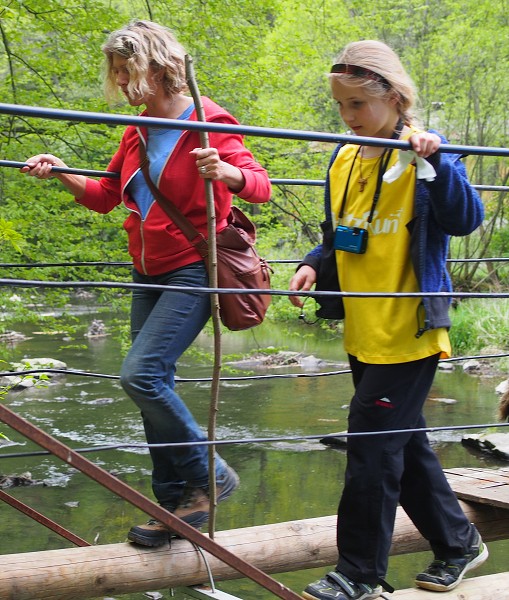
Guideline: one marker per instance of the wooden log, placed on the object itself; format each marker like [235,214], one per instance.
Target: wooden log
[94,571]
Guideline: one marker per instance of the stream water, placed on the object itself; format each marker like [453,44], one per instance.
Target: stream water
[280,481]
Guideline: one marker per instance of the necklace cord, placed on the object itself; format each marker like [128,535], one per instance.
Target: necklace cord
[364,180]
[385,158]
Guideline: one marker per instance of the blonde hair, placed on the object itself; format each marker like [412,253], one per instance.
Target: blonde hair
[383,61]
[145,45]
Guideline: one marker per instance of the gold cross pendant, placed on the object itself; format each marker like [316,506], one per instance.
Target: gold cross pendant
[362,183]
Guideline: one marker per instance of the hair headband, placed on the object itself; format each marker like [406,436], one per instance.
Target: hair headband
[361,72]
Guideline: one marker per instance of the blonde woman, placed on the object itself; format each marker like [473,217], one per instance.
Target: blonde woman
[145,63]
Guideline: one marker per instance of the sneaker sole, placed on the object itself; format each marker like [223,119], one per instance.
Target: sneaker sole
[309,596]
[437,587]
[377,592]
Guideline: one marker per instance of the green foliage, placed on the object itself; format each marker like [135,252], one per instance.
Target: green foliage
[10,235]
[480,327]
[500,242]
[4,390]
[266,61]
[462,333]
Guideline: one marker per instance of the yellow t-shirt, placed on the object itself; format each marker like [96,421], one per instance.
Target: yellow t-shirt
[380,330]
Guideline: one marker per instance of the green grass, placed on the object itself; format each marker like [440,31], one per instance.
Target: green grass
[481,326]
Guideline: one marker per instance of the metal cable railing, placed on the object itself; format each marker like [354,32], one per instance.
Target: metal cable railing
[266,440]
[230,378]
[266,132]
[74,456]
[287,261]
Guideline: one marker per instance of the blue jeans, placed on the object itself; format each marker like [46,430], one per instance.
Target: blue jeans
[163,325]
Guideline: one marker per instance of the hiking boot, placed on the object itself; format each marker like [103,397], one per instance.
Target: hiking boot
[336,586]
[444,574]
[153,534]
[194,506]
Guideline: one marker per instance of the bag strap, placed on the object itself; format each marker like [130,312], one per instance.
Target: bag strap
[196,238]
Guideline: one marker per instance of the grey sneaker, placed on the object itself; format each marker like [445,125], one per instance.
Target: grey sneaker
[444,574]
[336,586]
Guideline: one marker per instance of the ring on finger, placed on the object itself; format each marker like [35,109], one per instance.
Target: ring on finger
[203,169]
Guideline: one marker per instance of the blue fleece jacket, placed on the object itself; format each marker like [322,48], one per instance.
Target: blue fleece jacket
[447,206]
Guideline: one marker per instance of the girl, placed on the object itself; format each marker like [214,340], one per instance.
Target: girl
[146,64]
[390,237]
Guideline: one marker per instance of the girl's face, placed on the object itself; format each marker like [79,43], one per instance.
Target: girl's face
[365,115]
[122,77]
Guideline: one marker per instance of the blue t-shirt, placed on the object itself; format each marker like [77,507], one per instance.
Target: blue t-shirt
[160,144]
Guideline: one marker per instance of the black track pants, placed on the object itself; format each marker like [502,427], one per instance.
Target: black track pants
[383,470]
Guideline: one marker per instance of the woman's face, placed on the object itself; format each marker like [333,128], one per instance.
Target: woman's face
[122,77]
[365,115]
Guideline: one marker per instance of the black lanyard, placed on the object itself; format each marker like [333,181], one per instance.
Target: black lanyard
[385,158]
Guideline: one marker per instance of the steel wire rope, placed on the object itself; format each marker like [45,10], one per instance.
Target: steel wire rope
[276,261]
[321,183]
[275,180]
[28,283]
[81,373]
[207,567]
[267,440]
[267,132]
[264,132]
[351,294]
[178,379]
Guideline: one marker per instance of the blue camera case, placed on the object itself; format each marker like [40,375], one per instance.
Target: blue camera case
[350,239]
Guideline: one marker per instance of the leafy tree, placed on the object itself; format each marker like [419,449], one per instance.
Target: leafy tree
[266,61]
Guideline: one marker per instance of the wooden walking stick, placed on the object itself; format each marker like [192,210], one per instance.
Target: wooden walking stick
[214,298]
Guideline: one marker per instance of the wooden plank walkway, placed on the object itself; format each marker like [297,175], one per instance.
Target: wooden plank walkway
[486,486]
[487,587]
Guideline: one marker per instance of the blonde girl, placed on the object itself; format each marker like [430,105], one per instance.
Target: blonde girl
[388,219]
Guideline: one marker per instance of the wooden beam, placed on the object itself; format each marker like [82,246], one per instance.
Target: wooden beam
[90,572]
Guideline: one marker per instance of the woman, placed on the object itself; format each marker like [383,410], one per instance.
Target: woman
[146,63]
[390,236]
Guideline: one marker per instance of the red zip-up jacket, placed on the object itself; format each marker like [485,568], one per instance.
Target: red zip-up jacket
[156,244]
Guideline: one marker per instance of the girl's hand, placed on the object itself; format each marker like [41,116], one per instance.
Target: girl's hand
[304,280]
[424,143]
